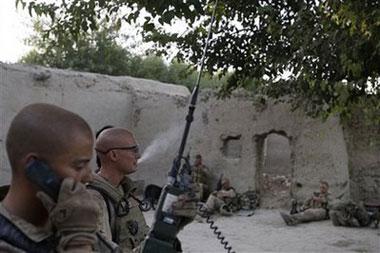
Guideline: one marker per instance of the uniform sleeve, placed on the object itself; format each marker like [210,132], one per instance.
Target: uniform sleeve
[329,198]
[326,199]
[103,221]
[307,204]
[5,247]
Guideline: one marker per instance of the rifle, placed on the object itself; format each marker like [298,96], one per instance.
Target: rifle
[219,183]
[163,233]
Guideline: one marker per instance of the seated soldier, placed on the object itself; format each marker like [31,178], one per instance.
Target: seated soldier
[314,209]
[31,220]
[351,214]
[220,200]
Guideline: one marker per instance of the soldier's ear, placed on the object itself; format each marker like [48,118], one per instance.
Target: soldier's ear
[113,155]
[28,158]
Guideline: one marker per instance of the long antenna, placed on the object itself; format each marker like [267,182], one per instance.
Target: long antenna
[194,97]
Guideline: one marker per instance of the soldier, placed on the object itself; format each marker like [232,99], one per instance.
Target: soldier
[314,209]
[351,214]
[121,218]
[30,220]
[220,200]
[201,175]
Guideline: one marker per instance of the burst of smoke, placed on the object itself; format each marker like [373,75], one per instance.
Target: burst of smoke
[161,143]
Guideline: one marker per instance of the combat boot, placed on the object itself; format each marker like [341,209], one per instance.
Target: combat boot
[294,204]
[375,218]
[289,220]
[225,210]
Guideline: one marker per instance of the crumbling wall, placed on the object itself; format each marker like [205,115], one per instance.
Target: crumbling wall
[229,133]
[99,99]
[363,144]
[318,151]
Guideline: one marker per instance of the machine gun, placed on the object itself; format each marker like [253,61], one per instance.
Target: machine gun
[163,234]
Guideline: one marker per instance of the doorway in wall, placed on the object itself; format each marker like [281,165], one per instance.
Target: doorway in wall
[274,169]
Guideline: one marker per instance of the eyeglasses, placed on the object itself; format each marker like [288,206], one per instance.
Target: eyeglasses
[134,149]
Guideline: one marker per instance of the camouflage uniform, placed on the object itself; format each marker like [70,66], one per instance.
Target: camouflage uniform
[248,200]
[349,213]
[41,238]
[200,177]
[121,219]
[311,211]
[215,203]
[20,236]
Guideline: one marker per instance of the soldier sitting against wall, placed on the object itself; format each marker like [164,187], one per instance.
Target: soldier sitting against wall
[314,209]
[219,201]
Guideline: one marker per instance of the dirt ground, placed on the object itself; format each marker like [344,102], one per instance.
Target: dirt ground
[265,231]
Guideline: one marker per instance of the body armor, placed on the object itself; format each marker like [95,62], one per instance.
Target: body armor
[127,223]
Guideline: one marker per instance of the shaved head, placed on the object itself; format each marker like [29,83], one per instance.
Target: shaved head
[118,153]
[113,137]
[44,129]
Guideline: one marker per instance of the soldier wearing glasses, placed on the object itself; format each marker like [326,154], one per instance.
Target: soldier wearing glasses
[121,218]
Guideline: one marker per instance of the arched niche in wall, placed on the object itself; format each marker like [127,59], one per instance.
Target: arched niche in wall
[274,169]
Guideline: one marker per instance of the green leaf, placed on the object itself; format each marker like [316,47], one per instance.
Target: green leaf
[148,26]
[167,17]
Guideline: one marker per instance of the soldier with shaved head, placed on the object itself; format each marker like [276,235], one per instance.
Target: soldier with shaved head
[30,219]
[121,219]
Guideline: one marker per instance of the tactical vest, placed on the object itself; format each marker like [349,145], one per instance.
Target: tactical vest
[14,236]
[127,223]
[199,174]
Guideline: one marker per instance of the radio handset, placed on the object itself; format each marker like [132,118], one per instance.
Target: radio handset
[44,177]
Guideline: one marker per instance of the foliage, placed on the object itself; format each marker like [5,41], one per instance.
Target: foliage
[321,55]
[94,52]
[98,52]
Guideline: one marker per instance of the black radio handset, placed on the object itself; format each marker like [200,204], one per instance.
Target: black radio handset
[44,177]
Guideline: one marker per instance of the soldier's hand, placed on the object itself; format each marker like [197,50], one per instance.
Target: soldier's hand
[186,208]
[74,215]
